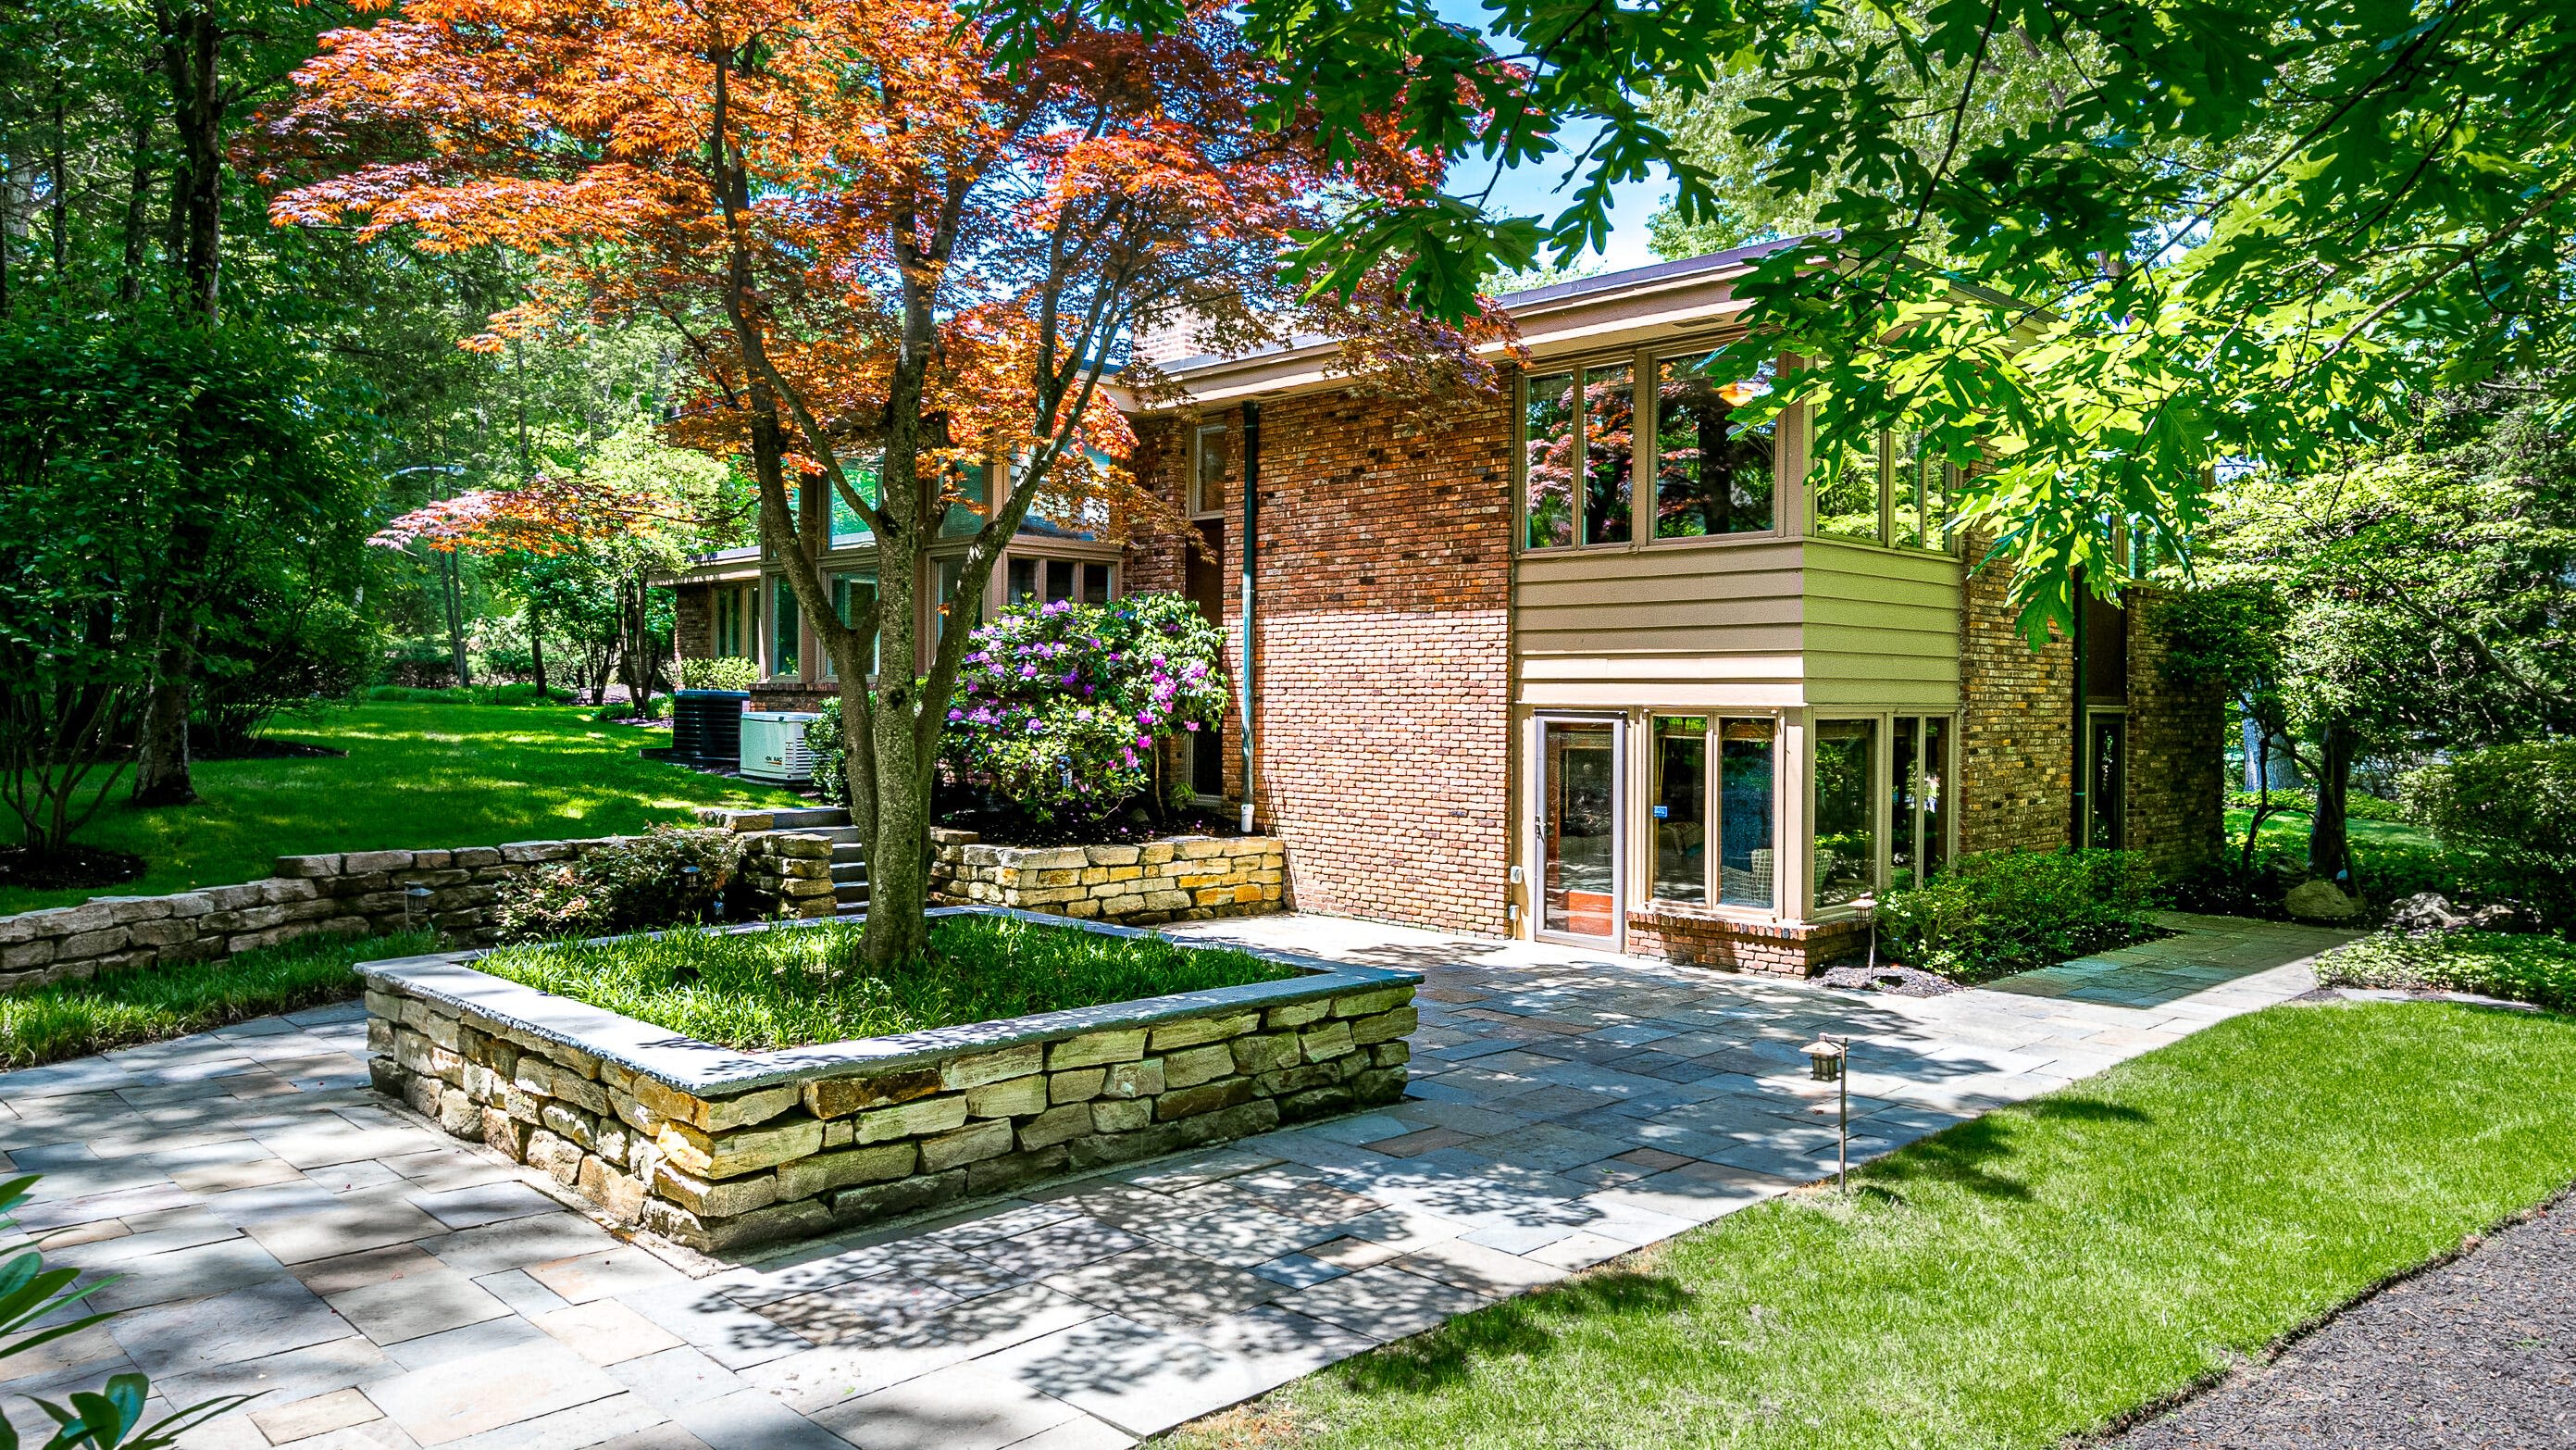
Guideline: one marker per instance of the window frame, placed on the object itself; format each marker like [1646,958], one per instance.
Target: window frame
[1951,477]
[1713,801]
[1196,503]
[1645,394]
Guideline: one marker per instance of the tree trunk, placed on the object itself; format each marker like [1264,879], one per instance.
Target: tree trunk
[191,47]
[452,590]
[537,647]
[138,212]
[2329,847]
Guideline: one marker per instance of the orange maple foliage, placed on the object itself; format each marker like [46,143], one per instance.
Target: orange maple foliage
[890,255]
[544,516]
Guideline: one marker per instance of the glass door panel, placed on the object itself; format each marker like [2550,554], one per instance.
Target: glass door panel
[2108,789]
[1579,828]
[1904,799]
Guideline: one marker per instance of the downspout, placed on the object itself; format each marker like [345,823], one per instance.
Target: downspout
[1251,523]
[2075,813]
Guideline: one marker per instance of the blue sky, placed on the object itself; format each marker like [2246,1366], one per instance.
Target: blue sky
[1534,190]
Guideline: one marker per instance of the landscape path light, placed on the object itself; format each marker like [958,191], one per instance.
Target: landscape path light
[1827,1057]
[415,901]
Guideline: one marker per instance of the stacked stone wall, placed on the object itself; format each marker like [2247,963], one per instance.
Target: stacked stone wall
[1185,878]
[840,1148]
[350,894]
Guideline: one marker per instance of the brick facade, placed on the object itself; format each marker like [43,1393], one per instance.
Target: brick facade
[1383,734]
[693,622]
[2017,743]
[1694,938]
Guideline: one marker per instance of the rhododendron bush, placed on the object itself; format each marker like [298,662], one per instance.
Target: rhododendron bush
[1061,708]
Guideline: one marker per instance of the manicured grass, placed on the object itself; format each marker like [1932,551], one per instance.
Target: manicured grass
[75,1019]
[2022,1278]
[2288,830]
[797,985]
[2517,966]
[417,776]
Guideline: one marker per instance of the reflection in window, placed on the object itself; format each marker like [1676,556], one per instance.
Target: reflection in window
[1711,476]
[970,501]
[970,609]
[1935,794]
[1548,420]
[1045,581]
[1747,756]
[1845,479]
[1903,800]
[783,656]
[1681,809]
[853,594]
[1609,453]
[846,525]
[1845,815]
[2108,788]
[1918,494]
[1207,476]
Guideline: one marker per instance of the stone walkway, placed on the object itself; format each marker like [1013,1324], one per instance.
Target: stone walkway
[383,1287]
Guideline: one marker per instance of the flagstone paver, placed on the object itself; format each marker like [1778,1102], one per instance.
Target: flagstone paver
[283,1230]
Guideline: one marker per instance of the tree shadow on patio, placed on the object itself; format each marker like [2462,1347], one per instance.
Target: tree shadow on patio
[1520,1327]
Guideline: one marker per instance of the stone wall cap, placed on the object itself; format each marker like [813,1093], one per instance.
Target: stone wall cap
[706,1069]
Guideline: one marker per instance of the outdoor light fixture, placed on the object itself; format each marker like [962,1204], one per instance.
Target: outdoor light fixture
[1826,1058]
[415,901]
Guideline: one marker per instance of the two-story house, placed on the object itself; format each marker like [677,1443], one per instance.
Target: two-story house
[1592,662]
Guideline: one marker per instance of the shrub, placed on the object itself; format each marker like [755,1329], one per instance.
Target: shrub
[471,695]
[2520,967]
[1061,708]
[2519,798]
[638,884]
[2008,911]
[731,672]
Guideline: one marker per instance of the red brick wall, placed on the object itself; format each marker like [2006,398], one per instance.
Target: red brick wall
[1383,726]
[693,621]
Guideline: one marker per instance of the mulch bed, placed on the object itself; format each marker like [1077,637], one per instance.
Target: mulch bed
[69,867]
[1887,977]
[2477,1352]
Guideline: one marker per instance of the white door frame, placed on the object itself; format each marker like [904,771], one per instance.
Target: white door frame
[1535,743]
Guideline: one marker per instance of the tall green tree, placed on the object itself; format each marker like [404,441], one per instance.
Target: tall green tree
[2418,601]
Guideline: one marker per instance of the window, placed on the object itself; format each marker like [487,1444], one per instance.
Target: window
[1712,476]
[1932,796]
[2107,781]
[1208,470]
[732,622]
[1845,484]
[971,503]
[1548,418]
[1609,453]
[971,610]
[1895,491]
[785,657]
[847,528]
[853,593]
[1030,580]
[1844,819]
[1681,809]
[1747,757]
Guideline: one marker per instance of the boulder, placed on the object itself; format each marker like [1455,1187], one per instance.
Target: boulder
[2320,901]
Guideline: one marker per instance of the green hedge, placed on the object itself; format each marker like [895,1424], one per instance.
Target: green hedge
[2356,805]
[470,695]
[2001,912]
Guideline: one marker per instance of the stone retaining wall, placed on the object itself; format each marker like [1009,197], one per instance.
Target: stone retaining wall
[357,893]
[1182,878]
[718,1149]
[1698,937]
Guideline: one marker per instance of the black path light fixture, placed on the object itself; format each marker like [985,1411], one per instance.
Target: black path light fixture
[1827,1058]
[415,901]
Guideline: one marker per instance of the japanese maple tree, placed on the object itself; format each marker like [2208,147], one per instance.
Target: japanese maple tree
[899,265]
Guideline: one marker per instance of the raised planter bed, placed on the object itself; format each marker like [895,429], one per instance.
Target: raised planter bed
[1177,878]
[715,1147]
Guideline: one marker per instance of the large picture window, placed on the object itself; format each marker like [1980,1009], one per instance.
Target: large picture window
[1844,817]
[853,593]
[1714,803]
[1589,434]
[1748,758]
[1712,474]
[1681,808]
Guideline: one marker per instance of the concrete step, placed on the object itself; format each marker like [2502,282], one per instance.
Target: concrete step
[845,851]
[849,871]
[837,835]
[808,818]
[851,897]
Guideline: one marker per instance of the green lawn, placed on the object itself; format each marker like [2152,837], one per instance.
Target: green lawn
[789,988]
[417,776]
[2026,1277]
[2289,831]
[77,1018]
